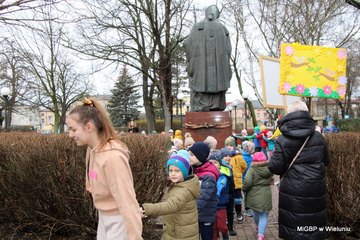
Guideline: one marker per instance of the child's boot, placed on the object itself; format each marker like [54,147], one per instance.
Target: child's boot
[261,237]
[232,232]
[240,217]
[225,236]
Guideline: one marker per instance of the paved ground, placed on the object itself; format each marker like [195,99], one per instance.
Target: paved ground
[247,231]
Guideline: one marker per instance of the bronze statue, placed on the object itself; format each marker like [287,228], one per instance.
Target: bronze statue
[208,51]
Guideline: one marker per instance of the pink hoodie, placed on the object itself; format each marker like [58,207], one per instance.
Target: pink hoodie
[110,181]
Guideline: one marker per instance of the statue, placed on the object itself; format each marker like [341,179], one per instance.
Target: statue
[208,51]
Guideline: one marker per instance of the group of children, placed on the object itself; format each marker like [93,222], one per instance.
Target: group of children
[207,209]
[263,139]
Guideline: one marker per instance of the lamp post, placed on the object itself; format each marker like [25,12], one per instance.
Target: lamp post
[245,96]
[5,92]
[235,104]
[353,107]
[180,97]
[187,104]
[230,108]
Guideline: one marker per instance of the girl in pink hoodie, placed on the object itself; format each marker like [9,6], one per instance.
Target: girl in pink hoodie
[108,175]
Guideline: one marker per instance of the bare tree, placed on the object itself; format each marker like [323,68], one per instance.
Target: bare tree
[55,85]
[353,75]
[144,35]
[261,26]
[13,73]
[10,10]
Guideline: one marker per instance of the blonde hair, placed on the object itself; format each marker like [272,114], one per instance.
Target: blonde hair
[132,124]
[92,110]
[297,105]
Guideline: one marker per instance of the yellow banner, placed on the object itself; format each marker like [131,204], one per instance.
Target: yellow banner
[312,71]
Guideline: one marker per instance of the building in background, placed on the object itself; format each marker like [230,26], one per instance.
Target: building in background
[24,118]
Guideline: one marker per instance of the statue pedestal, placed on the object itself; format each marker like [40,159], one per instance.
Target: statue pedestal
[203,124]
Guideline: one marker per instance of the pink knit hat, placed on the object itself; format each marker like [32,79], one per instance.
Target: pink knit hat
[259,157]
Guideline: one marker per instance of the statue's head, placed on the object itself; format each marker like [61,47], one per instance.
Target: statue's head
[212,13]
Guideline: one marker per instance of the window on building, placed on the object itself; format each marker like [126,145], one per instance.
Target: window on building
[50,118]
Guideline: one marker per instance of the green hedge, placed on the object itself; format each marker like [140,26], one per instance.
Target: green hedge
[349,125]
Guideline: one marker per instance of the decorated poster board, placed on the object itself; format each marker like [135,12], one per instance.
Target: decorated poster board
[312,71]
[270,78]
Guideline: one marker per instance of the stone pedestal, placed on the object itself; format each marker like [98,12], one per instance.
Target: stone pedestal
[203,124]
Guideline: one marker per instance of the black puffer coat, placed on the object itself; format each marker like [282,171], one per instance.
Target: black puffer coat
[302,195]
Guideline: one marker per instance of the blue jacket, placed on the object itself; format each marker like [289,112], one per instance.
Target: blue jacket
[256,141]
[248,159]
[222,191]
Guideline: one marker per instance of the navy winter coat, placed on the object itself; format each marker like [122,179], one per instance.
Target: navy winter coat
[302,194]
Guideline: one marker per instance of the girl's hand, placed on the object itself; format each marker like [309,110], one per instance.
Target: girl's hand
[142,211]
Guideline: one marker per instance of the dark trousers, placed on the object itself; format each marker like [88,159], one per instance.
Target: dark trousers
[230,213]
[206,230]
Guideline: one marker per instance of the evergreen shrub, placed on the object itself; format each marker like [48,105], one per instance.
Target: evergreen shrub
[349,125]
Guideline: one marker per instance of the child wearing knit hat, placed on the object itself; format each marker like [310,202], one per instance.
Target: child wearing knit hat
[225,160]
[180,206]
[257,187]
[178,134]
[189,141]
[256,140]
[222,195]
[211,142]
[238,165]
[178,145]
[208,175]
[271,143]
[248,149]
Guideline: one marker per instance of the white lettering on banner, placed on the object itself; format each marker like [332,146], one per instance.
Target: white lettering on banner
[323,228]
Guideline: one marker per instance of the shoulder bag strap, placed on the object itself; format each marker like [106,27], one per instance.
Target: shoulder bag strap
[296,156]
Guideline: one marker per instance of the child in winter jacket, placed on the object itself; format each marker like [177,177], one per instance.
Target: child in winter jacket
[263,143]
[248,149]
[179,208]
[208,175]
[258,190]
[238,165]
[222,195]
[271,143]
[227,170]
[256,140]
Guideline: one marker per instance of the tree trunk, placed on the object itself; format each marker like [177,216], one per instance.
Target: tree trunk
[149,109]
[252,112]
[165,75]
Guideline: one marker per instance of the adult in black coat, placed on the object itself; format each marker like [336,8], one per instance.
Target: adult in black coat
[302,193]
